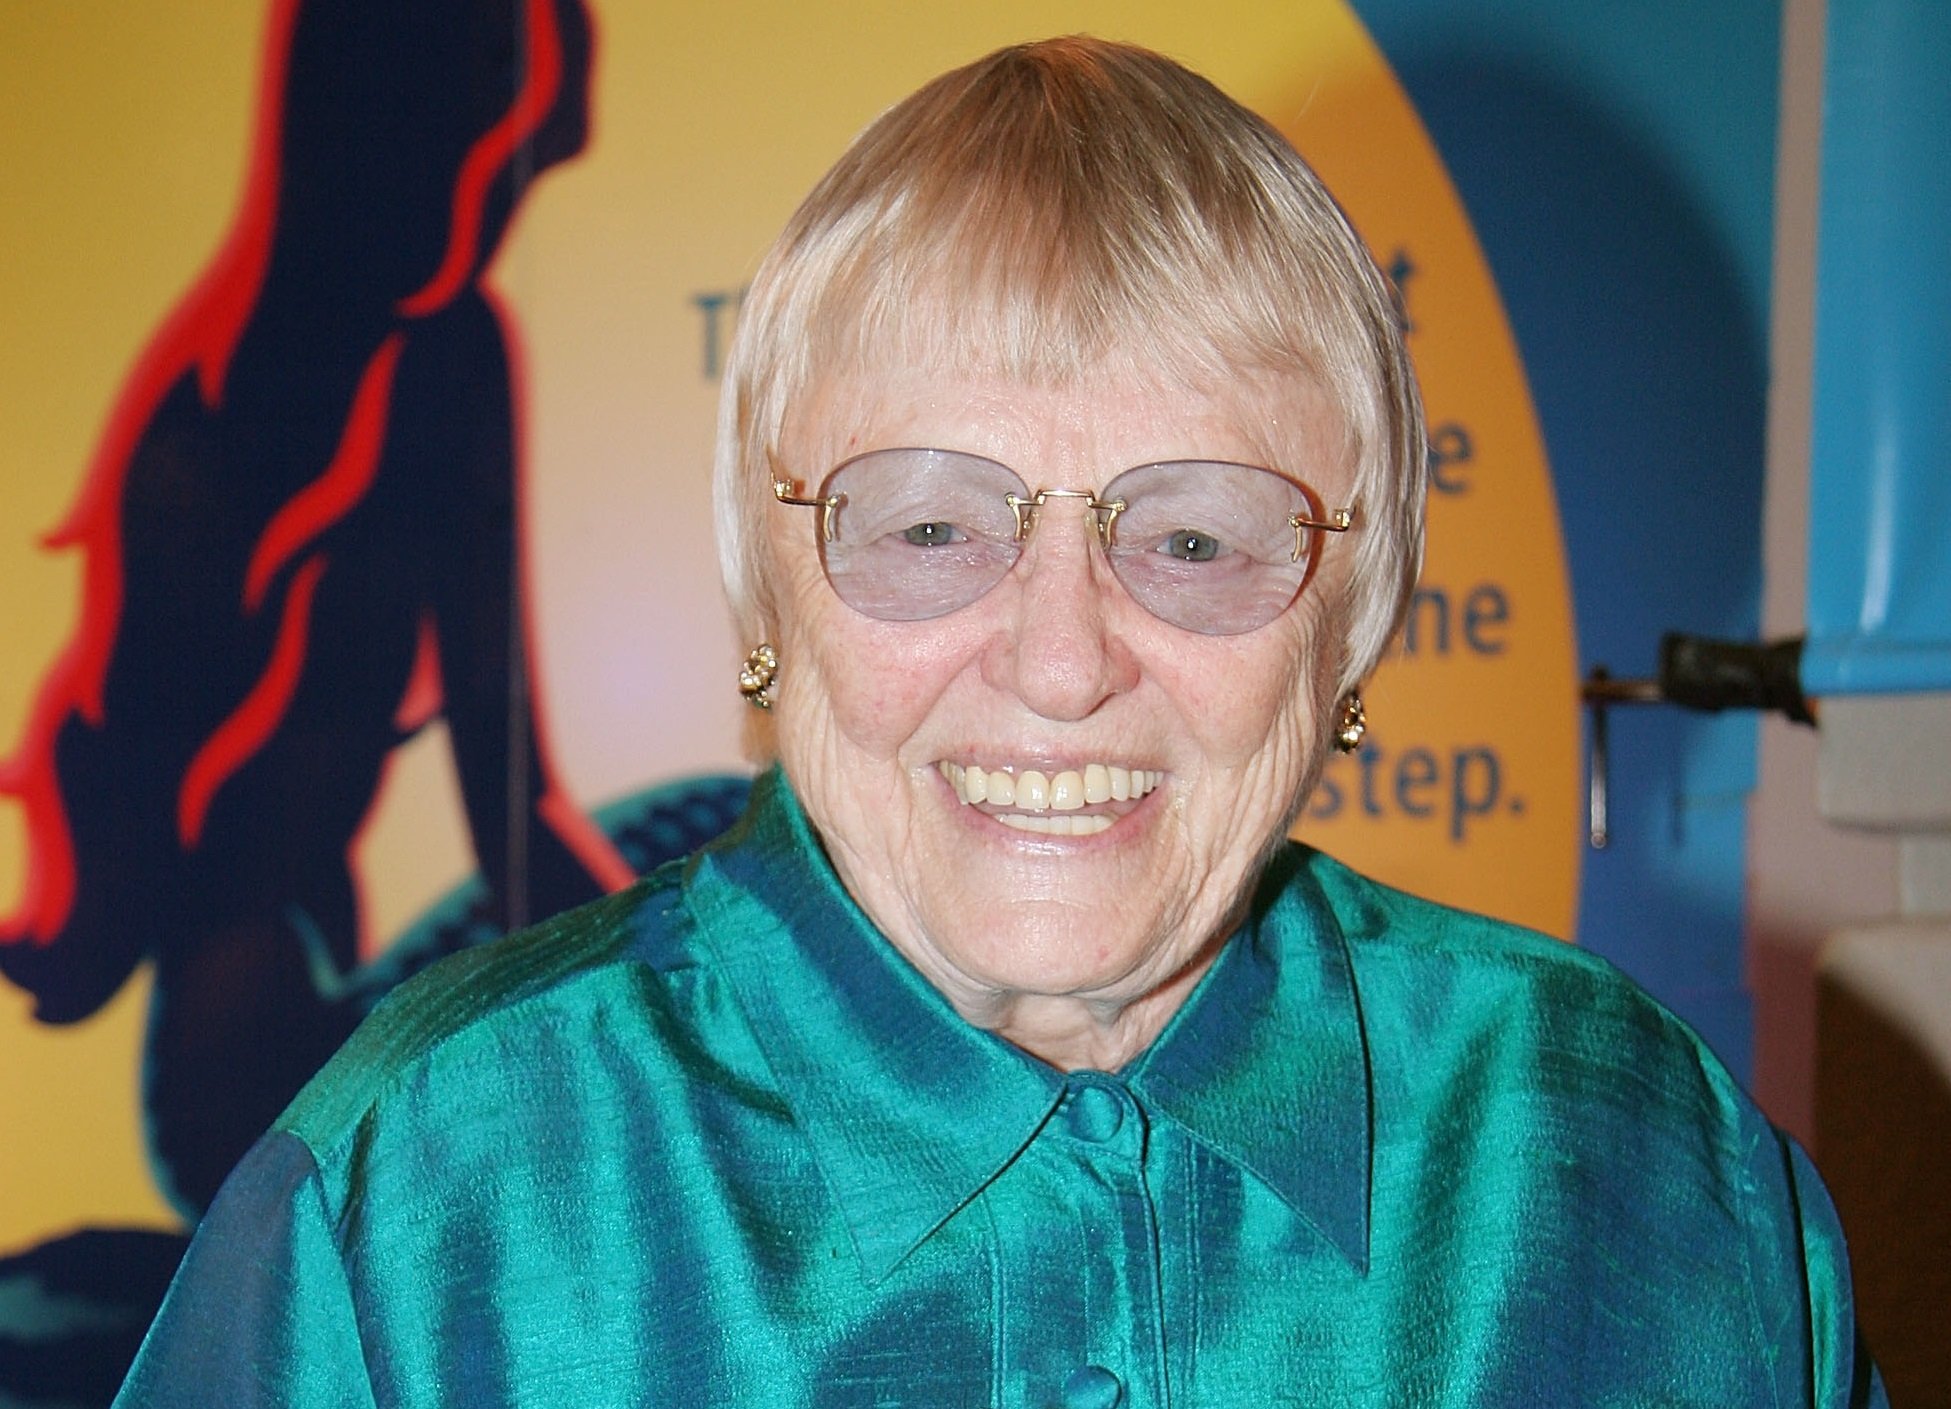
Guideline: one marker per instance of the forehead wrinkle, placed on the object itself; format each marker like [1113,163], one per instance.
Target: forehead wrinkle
[1282,421]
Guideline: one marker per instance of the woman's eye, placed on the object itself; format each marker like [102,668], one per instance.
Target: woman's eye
[1189,545]
[930,535]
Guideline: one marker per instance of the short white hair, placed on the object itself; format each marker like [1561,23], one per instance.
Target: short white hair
[1054,208]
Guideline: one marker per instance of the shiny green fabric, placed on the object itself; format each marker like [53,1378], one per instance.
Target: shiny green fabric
[712,1142]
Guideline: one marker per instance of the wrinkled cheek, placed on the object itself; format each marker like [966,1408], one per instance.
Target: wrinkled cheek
[1261,723]
[882,708]
[871,696]
[1266,769]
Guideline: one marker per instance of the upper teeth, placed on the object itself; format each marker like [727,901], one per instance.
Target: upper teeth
[1033,791]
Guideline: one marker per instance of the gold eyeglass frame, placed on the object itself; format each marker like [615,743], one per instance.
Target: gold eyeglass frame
[1104,513]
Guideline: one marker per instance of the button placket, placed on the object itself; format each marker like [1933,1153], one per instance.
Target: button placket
[1106,1128]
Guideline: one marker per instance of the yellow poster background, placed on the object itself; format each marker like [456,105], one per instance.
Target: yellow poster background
[126,130]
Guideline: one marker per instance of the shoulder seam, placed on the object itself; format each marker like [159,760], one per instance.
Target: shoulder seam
[509,973]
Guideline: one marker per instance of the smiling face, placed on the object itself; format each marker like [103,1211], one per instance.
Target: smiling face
[936,757]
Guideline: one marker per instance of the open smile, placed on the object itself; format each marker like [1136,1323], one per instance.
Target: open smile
[1066,802]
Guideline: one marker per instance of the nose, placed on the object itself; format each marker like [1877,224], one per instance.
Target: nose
[1058,647]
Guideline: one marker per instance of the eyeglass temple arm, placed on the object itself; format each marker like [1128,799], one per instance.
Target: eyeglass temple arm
[1340,521]
[782,490]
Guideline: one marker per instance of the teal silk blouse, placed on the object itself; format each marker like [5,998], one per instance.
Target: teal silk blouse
[711,1141]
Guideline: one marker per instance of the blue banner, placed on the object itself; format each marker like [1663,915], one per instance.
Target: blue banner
[1880,491]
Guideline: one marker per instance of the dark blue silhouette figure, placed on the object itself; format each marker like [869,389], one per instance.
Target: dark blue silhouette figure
[302,543]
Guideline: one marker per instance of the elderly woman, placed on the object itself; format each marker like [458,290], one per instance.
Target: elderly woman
[1071,474]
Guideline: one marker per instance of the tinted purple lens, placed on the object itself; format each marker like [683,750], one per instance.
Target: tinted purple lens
[1207,546]
[919,533]
[1211,546]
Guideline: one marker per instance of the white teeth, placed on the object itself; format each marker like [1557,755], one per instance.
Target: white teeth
[1067,791]
[1034,791]
[1054,825]
[1097,783]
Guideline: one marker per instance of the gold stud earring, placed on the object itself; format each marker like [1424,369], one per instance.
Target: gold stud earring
[755,676]
[1352,724]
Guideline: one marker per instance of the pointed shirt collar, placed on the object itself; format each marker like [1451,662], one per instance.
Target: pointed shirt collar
[911,1111]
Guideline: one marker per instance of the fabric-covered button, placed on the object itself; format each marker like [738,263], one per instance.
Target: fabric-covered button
[1093,1387]
[1094,1113]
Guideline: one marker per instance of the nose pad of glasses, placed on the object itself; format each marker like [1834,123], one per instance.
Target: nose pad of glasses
[1104,518]
[1024,511]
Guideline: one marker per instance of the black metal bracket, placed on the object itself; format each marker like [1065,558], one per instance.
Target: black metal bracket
[1695,673]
